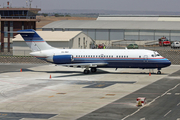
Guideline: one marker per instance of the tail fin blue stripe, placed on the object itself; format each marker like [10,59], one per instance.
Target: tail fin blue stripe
[34,41]
[30,35]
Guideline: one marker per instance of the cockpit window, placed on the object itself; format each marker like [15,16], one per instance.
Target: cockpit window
[156,54]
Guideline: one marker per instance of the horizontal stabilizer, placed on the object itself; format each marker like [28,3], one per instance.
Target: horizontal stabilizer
[24,32]
[18,31]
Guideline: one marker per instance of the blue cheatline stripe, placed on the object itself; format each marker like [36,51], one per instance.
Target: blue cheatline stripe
[128,59]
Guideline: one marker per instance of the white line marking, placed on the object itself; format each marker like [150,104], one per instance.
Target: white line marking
[143,119]
[150,102]
[178,104]
[177,93]
[167,113]
[168,93]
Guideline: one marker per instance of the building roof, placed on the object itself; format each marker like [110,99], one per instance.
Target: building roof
[12,9]
[140,17]
[53,36]
[113,24]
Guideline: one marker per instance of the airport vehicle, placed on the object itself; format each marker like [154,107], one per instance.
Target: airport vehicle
[132,46]
[100,46]
[164,42]
[93,58]
[175,45]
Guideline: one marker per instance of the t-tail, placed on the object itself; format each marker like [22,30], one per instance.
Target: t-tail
[33,40]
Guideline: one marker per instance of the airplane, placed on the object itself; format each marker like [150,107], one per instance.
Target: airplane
[93,58]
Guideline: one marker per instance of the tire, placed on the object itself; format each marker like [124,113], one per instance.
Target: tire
[86,71]
[93,70]
[159,72]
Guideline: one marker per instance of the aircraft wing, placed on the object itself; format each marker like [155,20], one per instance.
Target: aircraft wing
[83,65]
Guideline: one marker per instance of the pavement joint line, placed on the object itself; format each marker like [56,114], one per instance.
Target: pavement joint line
[150,102]
[167,113]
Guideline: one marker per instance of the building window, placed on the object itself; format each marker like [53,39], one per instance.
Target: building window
[6,29]
[22,25]
[11,29]
[84,40]
[79,42]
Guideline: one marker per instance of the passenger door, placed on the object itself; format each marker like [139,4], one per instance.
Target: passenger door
[145,58]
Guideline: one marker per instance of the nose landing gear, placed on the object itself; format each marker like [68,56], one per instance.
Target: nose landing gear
[159,71]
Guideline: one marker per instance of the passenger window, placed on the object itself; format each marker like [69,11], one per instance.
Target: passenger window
[152,55]
[139,56]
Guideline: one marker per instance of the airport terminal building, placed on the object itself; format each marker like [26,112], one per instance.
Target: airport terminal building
[114,28]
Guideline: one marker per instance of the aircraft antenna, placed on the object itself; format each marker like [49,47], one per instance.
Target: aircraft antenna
[26,4]
[30,1]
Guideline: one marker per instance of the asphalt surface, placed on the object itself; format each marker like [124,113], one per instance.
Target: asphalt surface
[162,103]
[15,67]
[31,95]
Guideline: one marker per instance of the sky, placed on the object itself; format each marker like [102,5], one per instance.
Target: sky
[118,5]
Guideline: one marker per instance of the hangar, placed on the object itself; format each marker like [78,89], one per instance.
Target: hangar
[106,29]
[58,39]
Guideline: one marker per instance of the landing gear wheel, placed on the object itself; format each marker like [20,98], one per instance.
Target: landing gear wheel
[159,72]
[93,70]
[86,71]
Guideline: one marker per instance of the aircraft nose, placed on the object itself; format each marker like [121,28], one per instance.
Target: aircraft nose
[168,62]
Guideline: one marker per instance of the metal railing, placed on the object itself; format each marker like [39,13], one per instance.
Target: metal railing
[18,17]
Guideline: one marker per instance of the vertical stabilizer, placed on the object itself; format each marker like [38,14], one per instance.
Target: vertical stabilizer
[33,40]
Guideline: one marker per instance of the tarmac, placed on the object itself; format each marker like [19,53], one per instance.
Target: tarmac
[48,92]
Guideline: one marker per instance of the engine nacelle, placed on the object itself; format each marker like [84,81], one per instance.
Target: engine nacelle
[62,59]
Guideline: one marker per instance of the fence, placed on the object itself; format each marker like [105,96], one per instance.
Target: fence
[7,57]
[19,56]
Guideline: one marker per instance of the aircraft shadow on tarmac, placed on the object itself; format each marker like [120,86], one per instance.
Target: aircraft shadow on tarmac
[99,71]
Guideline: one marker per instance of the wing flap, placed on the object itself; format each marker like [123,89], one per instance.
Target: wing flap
[83,65]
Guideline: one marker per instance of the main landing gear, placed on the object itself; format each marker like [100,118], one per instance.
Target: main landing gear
[159,71]
[87,71]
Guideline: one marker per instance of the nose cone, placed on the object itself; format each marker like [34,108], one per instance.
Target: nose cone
[167,63]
